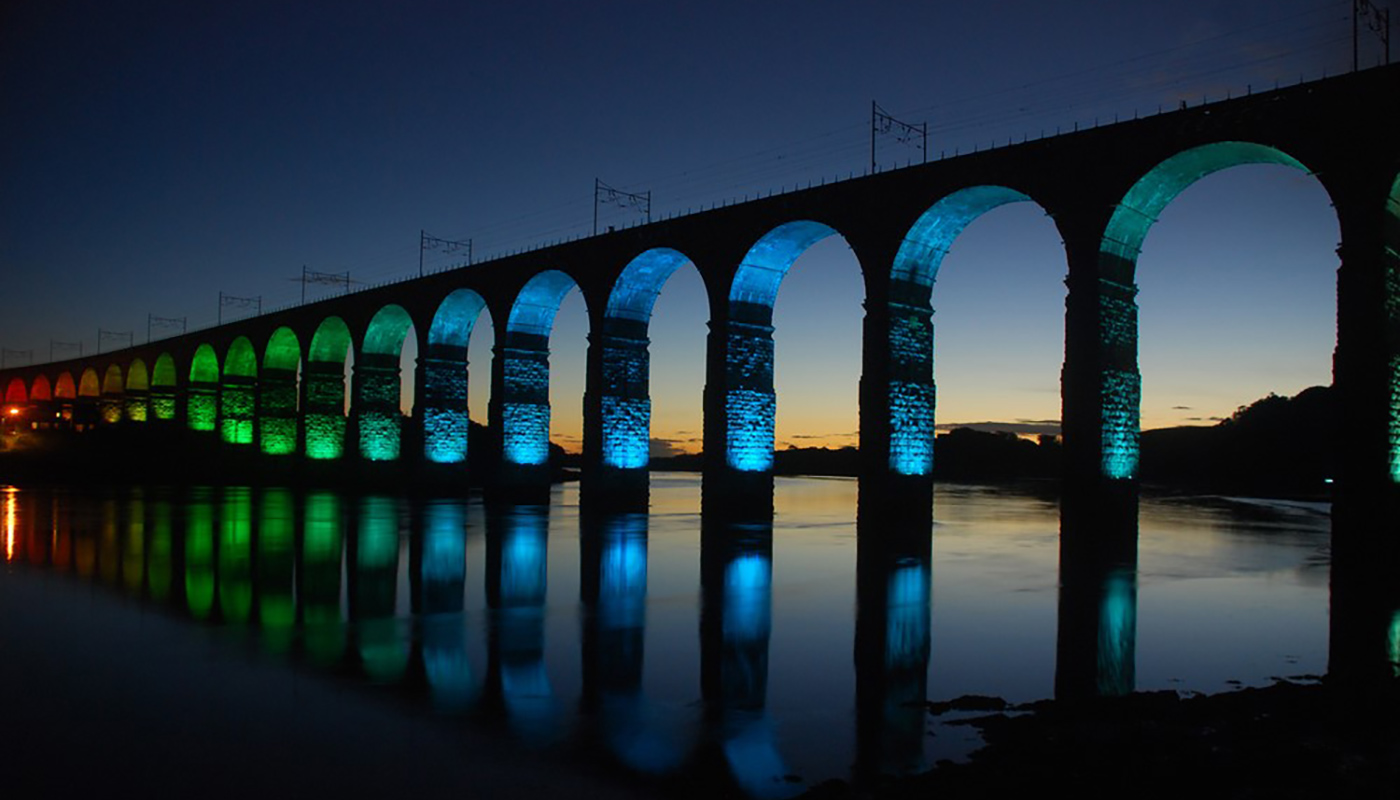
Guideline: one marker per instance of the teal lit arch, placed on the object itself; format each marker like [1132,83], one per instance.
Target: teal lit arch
[446,422]
[525,407]
[911,391]
[324,380]
[163,387]
[238,399]
[138,386]
[202,409]
[1391,227]
[380,384]
[109,405]
[277,387]
[626,396]
[1120,382]
[750,405]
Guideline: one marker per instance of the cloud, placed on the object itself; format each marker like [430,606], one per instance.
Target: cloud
[1181,408]
[663,448]
[1020,426]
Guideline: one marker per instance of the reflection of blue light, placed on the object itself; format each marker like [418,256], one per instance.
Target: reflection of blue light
[523,561]
[444,545]
[907,625]
[747,593]
[623,573]
[754,760]
[1117,633]
[445,662]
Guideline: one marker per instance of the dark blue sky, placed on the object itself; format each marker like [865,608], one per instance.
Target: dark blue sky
[153,154]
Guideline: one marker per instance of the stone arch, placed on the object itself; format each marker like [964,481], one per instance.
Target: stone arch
[64,387]
[88,384]
[525,368]
[750,403]
[1390,227]
[323,381]
[446,422]
[379,384]
[41,389]
[1119,380]
[238,393]
[277,393]
[912,393]
[626,360]
[15,392]
[109,404]
[202,395]
[138,387]
[163,383]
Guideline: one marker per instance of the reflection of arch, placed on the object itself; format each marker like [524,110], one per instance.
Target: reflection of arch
[911,386]
[109,405]
[202,408]
[15,392]
[1120,383]
[163,387]
[324,380]
[525,369]
[384,653]
[379,384]
[138,387]
[238,398]
[750,405]
[445,378]
[626,393]
[41,390]
[277,412]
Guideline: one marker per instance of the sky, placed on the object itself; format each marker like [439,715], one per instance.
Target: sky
[155,154]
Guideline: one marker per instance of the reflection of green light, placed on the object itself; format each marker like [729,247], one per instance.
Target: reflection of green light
[382,653]
[235,555]
[158,555]
[199,555]
[275,568]
[134,554]
[320,584]
[108,544]
[1393,644]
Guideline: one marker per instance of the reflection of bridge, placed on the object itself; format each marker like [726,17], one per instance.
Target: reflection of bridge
[277,382]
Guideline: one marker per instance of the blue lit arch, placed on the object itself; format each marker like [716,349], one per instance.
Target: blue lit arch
[750,405]
[912,393]
[626,398]
[446,421]
[525,368]
[1120,382]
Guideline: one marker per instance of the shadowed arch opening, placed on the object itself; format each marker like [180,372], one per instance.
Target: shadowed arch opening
[1391,228]
[138,387]
[1119,379]
[750,407]
[324,385]
[525,369]
[277,387]
[380,384]
[446,419]
[15,391]
[41,389]
[626,359]
[238,398]
[163,382]
[202,395]
[911,392]
[109,405]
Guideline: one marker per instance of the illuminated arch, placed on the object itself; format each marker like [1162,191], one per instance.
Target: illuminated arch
[1391,227]
[202,411]
[88,384]
[64,387]
[1120,382]
[15,391]
[41,389]
[379,384]
[238,395]
[163,388]
[109,404]
[138,386]
[525,405]
[626,390]
[911,389]
[277,415]
[324,380]
[750,405]
[445,378]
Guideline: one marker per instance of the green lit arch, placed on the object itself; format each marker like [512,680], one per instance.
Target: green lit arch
[911,393]
[277,414]
[1120,381]
[1391,234]
[202,409]
[238,398]
[380,384]
[163,382]
[137,377]
[446,421]
[324,382]
[109,404]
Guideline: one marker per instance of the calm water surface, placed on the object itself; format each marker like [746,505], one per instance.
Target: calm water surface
[668,646]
